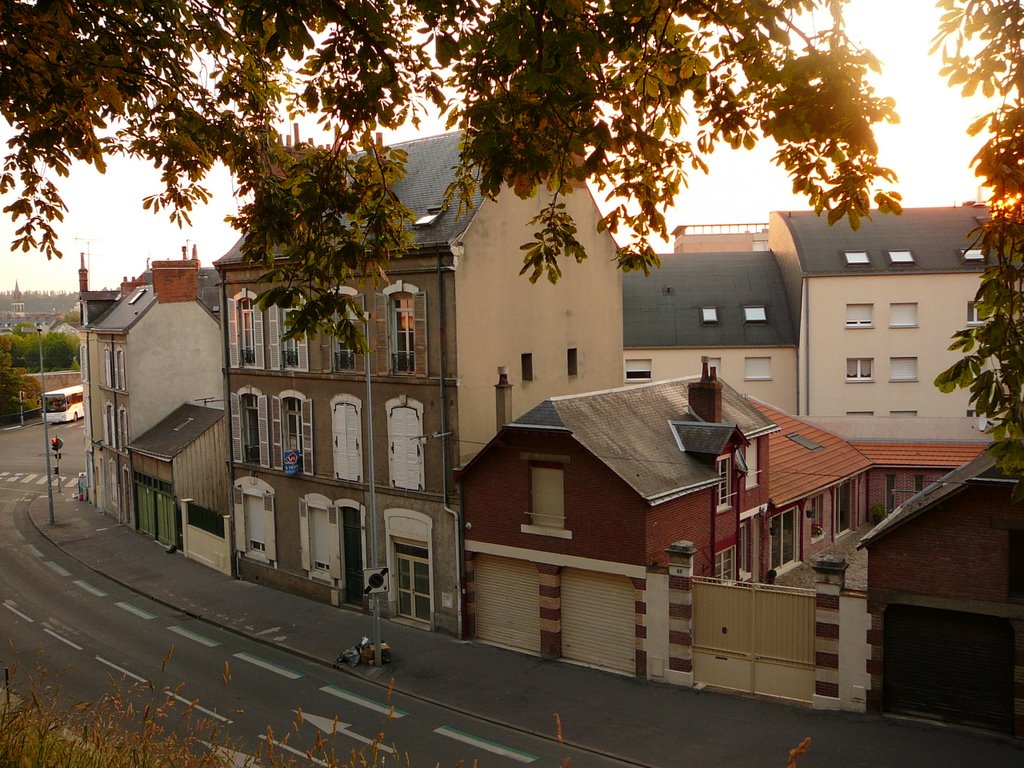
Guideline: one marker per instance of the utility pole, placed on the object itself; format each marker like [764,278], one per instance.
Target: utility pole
[371,477]
[46,424]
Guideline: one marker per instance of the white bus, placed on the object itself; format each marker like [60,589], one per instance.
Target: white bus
[64,404]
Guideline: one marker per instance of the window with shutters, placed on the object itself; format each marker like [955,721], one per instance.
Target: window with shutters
[403,334]
[291,419]
[245,331]
[292,432]
[723,494]
[109,377]
[547,495]
[254,519]
[250,428]
[902,369]
[405,443]
[638,370]
[860,315]
[757,368]
[255,527]
[345,359]
[399,326]
[346,423]
[903,315]
[859,368]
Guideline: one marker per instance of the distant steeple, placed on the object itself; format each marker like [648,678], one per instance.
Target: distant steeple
[17,305]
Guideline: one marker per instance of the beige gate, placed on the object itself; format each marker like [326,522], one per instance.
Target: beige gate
[756,638]
[599,620]
[507,602]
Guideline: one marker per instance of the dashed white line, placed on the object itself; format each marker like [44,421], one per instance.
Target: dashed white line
[255,660]
[136,611]
[90,588]
[195,705]
[293,750]
[62,639]
[57,569]
[383,709]
[194,636]
[35,550]
[15,611]
[489,746]
[122,670]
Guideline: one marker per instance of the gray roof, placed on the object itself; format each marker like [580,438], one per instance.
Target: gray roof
[936,237]
[702,437]
[177,431]
[126,312]
[664,309]
[430,170]
[631,431]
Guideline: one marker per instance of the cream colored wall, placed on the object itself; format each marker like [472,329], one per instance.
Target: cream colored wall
[173,356]
[779,391]
[854,651]
[941,311]
[206,548]
[501,315]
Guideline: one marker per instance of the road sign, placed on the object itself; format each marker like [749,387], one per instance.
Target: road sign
[376,581]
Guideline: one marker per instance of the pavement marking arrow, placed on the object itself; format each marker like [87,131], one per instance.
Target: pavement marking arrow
[332,726]
[237,759]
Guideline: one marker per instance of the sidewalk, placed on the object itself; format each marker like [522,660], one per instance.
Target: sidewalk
[659,724]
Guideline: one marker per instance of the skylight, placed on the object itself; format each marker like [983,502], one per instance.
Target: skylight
[138,295]
[429,217]
[806,442]
[709,315]
[857,258]
[973,254]
[901,257]
[755,314]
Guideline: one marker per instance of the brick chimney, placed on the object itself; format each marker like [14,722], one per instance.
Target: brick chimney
[83,276]
[502,399]
[705,396]
[175,281]
[127,286]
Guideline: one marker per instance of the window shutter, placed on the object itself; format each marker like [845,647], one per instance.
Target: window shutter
[903,314]
[269,531]
[419,304]
[277,452]
[303,347]
[274,323]
[122,382]
[307,436]
[106,425]
[396,467]
[381,348]
[261,409]
[107,367]
[239,518]
[335,542]
[236,428]
[346,426]
[257,334]
[232,333]
[360,360]
[304,534]
[903,368]
[859,314]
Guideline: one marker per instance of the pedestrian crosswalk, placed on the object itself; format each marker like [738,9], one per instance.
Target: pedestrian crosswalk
[34,478]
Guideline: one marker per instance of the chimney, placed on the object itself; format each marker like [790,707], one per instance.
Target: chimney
[705,396]
[175,281]
[127,286]
[195,252]
[83,276]
[502,399]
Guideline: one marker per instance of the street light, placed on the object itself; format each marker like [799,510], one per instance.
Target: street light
[46,424]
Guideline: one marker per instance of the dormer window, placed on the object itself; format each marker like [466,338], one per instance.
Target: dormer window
[857,258]
[755,314]
[428,218]
[709,315]
[901,257]
[972,254]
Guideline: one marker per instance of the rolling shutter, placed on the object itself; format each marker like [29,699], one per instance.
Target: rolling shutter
[599,620]
[507,602]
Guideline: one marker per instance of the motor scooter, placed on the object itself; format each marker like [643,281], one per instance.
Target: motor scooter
[363,651]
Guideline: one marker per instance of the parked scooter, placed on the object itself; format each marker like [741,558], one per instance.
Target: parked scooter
[363,651]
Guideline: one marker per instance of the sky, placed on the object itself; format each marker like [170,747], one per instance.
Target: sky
[928,149]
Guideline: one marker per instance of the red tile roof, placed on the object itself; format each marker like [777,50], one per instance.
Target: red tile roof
[796,470]
[911,453]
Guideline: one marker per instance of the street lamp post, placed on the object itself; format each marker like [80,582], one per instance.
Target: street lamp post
[371,477]
[46,424]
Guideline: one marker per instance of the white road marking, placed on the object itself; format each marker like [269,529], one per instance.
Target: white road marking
[12,609]
[194,636]
[332,726]
[293,750]
[57,569]
[4,474]
[383,709]
[136,611]
[13,478]
[90,588]
[34,550]
[195,705]
[29,478]
[489,746]
[41,481]
[62,639]
[122,670]
[235,758]
[268,666]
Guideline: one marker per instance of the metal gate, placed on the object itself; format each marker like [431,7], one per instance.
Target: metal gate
[756,638]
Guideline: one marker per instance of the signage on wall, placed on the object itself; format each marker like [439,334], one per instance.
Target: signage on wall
[292,462]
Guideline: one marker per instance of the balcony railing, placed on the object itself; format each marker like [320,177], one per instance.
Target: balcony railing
[290,358]
[344,360]
[403,362]
[247,355]
[252,454]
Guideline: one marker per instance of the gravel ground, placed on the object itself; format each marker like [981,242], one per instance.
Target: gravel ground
[846,547]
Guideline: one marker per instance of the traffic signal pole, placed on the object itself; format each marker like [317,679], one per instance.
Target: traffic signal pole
[46,425]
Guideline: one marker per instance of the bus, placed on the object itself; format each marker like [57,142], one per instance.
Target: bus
[66,404]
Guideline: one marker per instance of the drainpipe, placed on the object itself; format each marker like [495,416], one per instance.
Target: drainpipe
[226,357]
[806,354]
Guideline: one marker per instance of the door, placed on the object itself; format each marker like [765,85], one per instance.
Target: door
[146,509]
[166,529]
[507,602]
[352,535]
[413,582]
[599,620]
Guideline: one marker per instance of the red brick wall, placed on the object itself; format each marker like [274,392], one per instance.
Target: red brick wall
[904,482]
[686,518]
[175,281]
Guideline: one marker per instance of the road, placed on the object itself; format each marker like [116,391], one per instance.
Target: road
[63,625]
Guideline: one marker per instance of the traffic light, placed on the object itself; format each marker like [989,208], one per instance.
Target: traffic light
[56,444]
[376,581]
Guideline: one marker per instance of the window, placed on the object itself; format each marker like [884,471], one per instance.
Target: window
[319,538]
[805,441]
[754,314]
[709,315]
[973,318]
[859,315]
[723,491]
[286,353]
[715,364]
[108,367]
[972,254]
[254,519]
[526,366]
[750,455]
[901,257]
[638,370]
[547,495]
[292,431]
[571,361]
[813,511]
[860,413]
[858,368]
[414,601]
[744,549]
[245,331]
[782,530]
[344,359]
[918,483]
[291,419]
[757,368]
[403,334]
[122,378]
[843,507]
[902,369]
[406,442]
[250,428]
[725,563]
[902,414]
[857,258]
[347,428]
[400,330]
[122,431]
[255,528]
[903,315]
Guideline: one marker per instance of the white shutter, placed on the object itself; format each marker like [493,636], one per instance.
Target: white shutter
[419,304]
[238,500]
[261,409]
[334,534]
[257,333]
[122,376]
[107,367]
[859,314]
[405,451]
[348,464]
[307,436]
[903,315]
[758,368]
[903,368]
[304,534]
[233,333]
[277,452]
[236,428]
[274,331]
[269,531]
[106,424]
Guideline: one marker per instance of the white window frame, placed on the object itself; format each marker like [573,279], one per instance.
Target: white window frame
[638,369]
[973,318]
[860,315]
[903,314]
[263,499]
[901,256]
[902,369]
[757,368]
[753,471]
[724,489]
[859,372]
[857,258]
[709,315]
[725,563]
[755,314]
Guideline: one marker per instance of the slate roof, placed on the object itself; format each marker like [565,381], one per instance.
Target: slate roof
[630,431]
[799,471]
[911,453]
[177,431]
[430,169]
[664,309]
[126,312]
[935,236]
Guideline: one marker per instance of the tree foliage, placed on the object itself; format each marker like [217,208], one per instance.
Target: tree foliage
[629,96]
[981,44]
[14,382]
[60,350]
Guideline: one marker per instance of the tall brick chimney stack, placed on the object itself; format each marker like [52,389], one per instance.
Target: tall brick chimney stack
[706,395]
[127,286]
[502,399]
[175,281]
[83,275]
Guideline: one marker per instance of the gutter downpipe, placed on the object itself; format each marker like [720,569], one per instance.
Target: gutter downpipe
[806,353]
[226,358]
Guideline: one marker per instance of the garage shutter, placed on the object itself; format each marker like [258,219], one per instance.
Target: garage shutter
[599,620]
[955,667]
[507,602]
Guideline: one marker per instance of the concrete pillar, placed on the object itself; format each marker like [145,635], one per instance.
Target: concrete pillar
[680,613]
[830,578]
[640,628]
[549,579]
[470,577]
